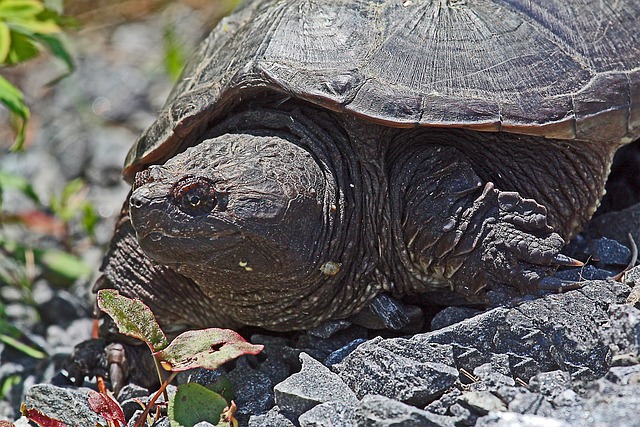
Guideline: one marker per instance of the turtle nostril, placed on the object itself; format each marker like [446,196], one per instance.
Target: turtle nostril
[137,201]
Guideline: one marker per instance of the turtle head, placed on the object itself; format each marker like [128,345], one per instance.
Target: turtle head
[235,209]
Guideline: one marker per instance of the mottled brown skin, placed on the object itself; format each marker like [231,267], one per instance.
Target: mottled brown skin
[245,222]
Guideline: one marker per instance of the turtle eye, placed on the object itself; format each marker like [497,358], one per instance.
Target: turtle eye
[195,196]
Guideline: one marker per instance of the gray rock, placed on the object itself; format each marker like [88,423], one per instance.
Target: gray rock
[69,405]
[450,315]
[567,398]
[202,424]
[492,375]
[624,375]
[509,419]
[278,365]
[406,370]
[253,390]
[530,403]
[313,385]
[380,411]
[550,384]
[482,402]
[581,274]
[132,421]
[62,308]
[273,418]
[339,355]
[559,331]
[327,329]
[132,391]
[329,414]
[320,348]
[609,251]
[623,330]
[632,277]
[62,340]
[608,405]
[442,405]
[617,225]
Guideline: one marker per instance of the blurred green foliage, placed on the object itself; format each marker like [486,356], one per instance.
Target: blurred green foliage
[174,55]
[26,28]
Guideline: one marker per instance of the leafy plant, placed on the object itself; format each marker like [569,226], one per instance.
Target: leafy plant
[204,348]
[72,203]
[26,28]
[10,335]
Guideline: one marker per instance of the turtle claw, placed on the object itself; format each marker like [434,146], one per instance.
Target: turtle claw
[558,285]
[565,261]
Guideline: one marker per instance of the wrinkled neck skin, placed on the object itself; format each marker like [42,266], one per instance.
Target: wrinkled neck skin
[283,247]
[311,214]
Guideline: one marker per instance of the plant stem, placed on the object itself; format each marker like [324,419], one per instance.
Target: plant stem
[141,421]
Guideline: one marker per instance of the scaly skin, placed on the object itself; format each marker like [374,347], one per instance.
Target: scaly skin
[286,218]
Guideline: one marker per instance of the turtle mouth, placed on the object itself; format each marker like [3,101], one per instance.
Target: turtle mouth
[180,248]
[157,235]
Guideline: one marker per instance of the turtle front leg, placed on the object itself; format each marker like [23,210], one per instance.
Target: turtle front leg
[460,232]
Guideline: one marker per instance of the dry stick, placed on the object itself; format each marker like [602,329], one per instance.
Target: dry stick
[634,258]
[141,421]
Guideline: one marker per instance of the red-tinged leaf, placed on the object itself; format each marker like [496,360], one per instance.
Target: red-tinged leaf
[41,222]
[204,348]
[133,318]
[6,424]
[104,405]
[39,418]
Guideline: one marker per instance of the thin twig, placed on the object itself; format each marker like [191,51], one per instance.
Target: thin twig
[141,421]
[634,258]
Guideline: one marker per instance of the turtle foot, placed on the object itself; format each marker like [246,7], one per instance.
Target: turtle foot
[512,244]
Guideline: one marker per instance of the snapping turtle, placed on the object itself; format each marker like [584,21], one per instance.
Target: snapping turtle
[316,154]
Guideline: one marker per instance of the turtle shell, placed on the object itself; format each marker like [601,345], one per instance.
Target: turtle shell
[565,69]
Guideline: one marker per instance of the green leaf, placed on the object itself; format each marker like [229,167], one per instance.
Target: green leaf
[19,183]
[7,383]
[63,265]
[174,57]
[29,351]
[194,403]
[204,348]
[5,41]
[23,48]
[12,98]
[133,318]
[56,47]
[29,26]
[10,9]
[223,387]
[89,219]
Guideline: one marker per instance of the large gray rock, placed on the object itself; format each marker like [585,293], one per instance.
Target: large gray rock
[410,371]
[313,385]
[273,418]
[329,414]
[380,411]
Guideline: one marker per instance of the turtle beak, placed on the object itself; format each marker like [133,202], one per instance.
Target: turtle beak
[145,210]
